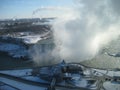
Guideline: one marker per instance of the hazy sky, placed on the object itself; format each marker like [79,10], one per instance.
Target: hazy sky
[25,8]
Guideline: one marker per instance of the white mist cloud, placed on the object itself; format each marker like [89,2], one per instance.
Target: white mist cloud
[41,54]
[89,27]
[49,11]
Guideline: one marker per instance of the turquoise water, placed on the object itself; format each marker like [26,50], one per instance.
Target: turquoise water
[103,60]
[100,61]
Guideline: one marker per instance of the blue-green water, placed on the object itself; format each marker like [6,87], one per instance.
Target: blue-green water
[104,60]
[100,61]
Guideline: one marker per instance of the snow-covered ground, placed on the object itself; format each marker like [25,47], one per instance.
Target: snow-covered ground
[33,38]
[15,45]
[77,80]
[19,85]
[14,50]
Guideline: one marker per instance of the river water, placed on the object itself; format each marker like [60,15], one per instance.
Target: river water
[102,60]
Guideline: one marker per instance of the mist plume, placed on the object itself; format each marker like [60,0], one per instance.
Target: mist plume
[90,26]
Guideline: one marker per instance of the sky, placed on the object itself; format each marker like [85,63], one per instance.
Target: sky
[25,8]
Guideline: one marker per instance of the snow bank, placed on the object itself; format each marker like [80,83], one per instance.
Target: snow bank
[31,39]
[14,50]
